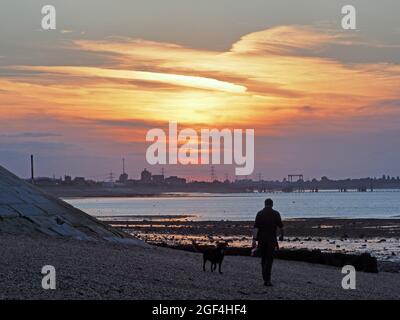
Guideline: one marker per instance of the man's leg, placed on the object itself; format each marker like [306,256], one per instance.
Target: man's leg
[270,261]
[266,263]
[263,265]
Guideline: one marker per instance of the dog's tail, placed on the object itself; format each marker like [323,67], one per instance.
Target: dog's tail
[196,247]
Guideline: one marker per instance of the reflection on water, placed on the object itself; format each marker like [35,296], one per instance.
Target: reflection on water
[239,207]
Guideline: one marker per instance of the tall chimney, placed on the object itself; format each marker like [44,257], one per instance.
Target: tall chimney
[32,173]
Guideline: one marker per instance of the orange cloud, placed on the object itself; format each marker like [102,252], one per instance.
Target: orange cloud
[265,81]
[283,40]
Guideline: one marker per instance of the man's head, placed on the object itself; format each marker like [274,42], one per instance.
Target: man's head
[269,203]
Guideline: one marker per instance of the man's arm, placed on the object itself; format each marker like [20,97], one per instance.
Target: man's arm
[255,235]
[281,237]
[255,231]
[280,226]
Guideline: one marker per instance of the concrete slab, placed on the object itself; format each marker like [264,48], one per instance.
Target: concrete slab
[26,209]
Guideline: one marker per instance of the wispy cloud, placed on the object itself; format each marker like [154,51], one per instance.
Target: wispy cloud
[31,135]
[168,78]
[284,40]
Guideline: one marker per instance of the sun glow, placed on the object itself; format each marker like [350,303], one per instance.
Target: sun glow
[261,82]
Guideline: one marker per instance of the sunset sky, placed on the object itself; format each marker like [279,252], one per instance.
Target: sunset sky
[322,100]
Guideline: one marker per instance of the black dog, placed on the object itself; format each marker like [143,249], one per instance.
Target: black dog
[214,255]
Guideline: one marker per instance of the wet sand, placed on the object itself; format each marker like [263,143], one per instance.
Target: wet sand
[313,227]
[379,237]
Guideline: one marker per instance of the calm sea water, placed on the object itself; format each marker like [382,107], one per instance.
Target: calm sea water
[377,204]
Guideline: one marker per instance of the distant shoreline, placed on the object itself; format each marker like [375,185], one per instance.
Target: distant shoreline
[155,192]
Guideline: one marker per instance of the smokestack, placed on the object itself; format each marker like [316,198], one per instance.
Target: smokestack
[32,173]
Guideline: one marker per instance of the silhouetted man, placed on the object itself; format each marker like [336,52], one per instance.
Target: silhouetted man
[267,221]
